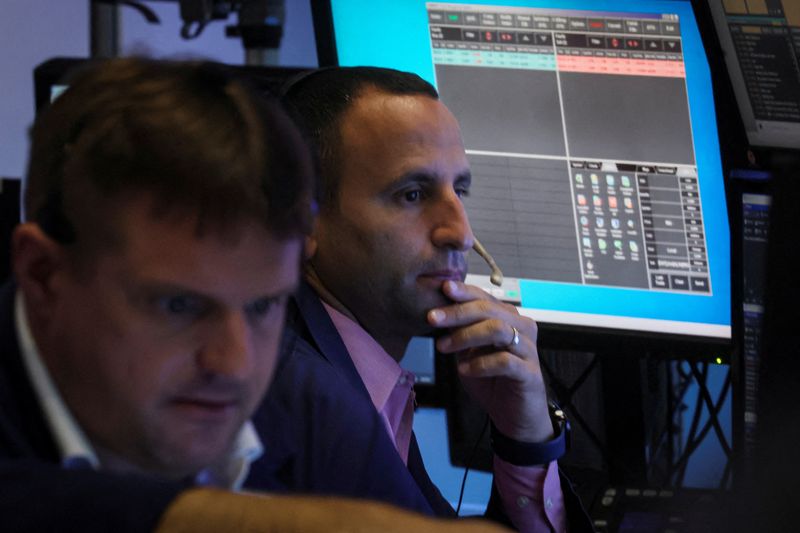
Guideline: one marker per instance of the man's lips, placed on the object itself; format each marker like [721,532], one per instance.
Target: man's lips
[207,405]
[210,403]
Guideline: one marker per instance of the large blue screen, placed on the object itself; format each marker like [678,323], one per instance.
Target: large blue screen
[591,133]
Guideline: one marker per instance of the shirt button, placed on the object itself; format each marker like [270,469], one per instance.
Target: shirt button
[548,503]
[523,501]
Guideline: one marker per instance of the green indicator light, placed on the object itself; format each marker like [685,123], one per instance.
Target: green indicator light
[719,360]
[512,294]
[454,18]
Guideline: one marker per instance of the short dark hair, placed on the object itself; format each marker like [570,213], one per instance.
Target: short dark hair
[191,135]
[318,100]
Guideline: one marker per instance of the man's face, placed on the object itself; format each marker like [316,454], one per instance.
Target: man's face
[165,349]
[398,229]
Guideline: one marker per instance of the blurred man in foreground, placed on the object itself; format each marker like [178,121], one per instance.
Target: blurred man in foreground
[167,206]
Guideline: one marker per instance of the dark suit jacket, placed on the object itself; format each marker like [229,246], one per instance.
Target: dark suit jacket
[316,338]
[36,494]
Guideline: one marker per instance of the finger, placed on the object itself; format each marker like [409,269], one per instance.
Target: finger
[493,334]
[496,364]
[461,292]
[473,311]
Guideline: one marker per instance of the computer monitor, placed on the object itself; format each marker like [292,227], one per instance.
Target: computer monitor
[761,42]
[751,189]
[591,132]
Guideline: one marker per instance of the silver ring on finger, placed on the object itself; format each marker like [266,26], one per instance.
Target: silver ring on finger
[514,340]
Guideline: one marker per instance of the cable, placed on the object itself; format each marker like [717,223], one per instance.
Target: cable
[149,15]
[469,464]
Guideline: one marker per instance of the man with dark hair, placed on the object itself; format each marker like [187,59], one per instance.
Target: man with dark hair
[387,261]
[167,205]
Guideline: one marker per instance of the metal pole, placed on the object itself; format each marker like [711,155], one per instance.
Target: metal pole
[104,29]
[261,56]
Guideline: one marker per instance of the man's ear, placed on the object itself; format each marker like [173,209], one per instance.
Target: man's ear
[309,247]
[311,244]
[36,261]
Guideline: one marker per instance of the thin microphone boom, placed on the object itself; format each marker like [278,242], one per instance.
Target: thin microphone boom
[496,276]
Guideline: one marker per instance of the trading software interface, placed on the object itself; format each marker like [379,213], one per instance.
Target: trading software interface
[572,185]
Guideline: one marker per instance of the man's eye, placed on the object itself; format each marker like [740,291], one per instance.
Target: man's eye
[417,195]
[261,307]
[180,305]
[412,196]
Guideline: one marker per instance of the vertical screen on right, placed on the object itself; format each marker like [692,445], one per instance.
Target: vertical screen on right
[761,41]
[755,231]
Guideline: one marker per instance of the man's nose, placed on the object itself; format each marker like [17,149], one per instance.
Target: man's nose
[228,349]
[451,227]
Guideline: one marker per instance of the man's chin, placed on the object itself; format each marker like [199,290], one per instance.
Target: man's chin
[409,314]
[423,327]
[189,461]
[429,292]
[193,450]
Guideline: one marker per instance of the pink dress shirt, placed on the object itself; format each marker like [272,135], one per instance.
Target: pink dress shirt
[531,495]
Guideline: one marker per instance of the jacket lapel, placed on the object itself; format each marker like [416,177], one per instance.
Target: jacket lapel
[313,320]
[318,328]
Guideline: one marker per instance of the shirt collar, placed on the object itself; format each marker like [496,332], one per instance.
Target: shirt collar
[378,370]
[72,442]
[74,445]
[246,449]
